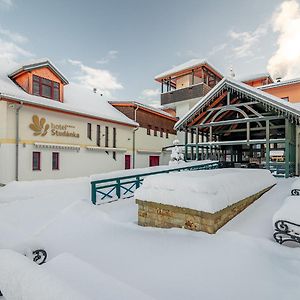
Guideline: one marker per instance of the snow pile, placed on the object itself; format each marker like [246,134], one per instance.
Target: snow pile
[290,210]
[89,281]
[205,190]
[22,279]
[105,246]
[27,206]
[177,156]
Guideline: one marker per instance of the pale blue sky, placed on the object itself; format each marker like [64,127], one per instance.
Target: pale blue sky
[119,46]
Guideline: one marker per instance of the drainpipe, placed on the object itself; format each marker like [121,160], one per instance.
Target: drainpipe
[133,137]
[18,108]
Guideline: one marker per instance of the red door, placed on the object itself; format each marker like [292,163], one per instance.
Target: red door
[127,161]
[153,160]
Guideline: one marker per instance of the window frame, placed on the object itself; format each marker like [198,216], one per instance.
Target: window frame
[57,165]
[106,136]
[98,139]
[89,131]
[38,167]
[39,80]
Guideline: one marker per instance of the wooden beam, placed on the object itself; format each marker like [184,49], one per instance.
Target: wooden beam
[215,102]
[268,144]
[237,121]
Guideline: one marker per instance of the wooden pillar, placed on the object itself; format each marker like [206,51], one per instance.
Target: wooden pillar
[248,131]
[162,86]
[185,144]
[207,148]
[228,98]
[192,142]
[193,77]
[202,150]
[297,152]
[268,144]
[210,140]
[287,148]
[197,143]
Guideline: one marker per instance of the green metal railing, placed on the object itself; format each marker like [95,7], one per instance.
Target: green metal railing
[124,187]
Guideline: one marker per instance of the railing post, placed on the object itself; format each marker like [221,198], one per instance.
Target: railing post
[118,188]
[137,182]
[94,193]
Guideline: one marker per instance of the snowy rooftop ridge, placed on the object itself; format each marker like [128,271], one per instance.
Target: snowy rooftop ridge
[292,108]
[280,83]
[187,65]
[38,63]
[254,76]
[139,104]
[77,99]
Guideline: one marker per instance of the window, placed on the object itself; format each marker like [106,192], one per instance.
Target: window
[161,132]
[36,161]
[167,134]
[89,131]
[149,130]
[98,135]
[127,161]
[114,142]
[106,136]
[55,160]
[45,88]
[155,131]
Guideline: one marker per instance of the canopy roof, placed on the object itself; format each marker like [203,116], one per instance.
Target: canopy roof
[270,102]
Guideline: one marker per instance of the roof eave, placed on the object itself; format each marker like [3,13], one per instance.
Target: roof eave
[40,65]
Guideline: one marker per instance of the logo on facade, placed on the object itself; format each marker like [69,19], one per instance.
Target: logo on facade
[39,126]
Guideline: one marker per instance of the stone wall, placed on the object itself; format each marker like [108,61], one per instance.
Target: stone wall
[167,216]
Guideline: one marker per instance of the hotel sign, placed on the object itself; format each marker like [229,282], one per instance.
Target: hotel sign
[40,127]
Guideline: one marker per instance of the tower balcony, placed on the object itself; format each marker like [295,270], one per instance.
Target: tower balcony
[190,92]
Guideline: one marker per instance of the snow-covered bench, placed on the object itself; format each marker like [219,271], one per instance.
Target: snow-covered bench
[287,221]
[295,189]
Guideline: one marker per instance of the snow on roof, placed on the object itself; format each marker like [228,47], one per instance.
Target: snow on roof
[279,83]
[187,65]
[77,99]
[135,103]
[38,63]
[254,76]
[293,108]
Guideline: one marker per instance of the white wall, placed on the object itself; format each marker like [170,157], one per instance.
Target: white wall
[72,163]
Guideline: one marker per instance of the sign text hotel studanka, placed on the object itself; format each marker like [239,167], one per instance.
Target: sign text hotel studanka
[41,128]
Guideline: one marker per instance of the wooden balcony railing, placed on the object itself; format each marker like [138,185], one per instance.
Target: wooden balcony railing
[193,91]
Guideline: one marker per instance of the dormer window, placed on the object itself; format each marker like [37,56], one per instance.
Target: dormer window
[45,88]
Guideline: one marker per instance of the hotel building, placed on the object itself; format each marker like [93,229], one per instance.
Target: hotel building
[50,128]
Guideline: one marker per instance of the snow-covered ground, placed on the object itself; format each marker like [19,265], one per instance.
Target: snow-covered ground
[84,241]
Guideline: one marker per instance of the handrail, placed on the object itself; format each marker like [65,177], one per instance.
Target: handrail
[123,187]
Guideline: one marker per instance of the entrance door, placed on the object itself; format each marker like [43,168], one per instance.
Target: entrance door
[153,160]
[127,161]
